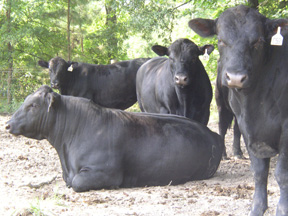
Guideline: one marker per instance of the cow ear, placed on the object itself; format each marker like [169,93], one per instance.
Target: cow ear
[203,27]
[44,64]
[272,25]
[209,48]
[71,66]
[53,100]
[160,50]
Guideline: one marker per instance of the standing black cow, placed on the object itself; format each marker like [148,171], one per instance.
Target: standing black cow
[110,86]
[226,117]
[256,74]
[101,147]
[178,84]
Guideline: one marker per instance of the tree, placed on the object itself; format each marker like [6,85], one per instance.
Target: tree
[111,22]
[9,53]
[253,3]
[68,30]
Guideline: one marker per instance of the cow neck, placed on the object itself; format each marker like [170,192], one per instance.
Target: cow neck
[186,96]
[73,115]
[182,100]
[70,80]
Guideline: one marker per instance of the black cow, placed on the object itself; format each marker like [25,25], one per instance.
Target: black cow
[110,86]
[256,74]
[226,117]
[178,84]
[102,148]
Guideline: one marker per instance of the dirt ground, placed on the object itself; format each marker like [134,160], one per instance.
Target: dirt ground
[31,184]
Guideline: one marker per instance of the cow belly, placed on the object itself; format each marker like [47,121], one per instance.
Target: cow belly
[172,161]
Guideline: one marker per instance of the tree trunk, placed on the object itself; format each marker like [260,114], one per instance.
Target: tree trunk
[10,56]
[68,31]
[253,3]
[111,21]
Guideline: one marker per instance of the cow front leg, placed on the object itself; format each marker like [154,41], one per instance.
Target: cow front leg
[260,169]
[225,119]
[236,141]
[281,174]
[89,179]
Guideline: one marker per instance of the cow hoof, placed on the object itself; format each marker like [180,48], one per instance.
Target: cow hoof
[262,150]
[225,157]
[239,157]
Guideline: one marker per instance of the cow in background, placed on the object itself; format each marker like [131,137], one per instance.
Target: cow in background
[256,76]
[178,84]
[110,86]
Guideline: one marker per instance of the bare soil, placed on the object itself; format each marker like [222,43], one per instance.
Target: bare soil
[31,184]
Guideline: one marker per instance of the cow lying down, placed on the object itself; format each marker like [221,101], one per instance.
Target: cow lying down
[103,148]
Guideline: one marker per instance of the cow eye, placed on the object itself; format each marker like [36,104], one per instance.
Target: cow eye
[258,43]
[33,105]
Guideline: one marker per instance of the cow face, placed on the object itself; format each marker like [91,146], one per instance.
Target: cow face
[32,117]
[244,36]
[183,59]
[59,71]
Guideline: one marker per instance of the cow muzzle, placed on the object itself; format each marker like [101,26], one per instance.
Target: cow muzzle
[238,81]
[10,129]
[181,80]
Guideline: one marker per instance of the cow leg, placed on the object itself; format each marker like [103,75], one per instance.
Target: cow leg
[225,119]
[163,110]
[140,105]
[260,169]
[281,174]
[205,118]
[88,179]
[236,141]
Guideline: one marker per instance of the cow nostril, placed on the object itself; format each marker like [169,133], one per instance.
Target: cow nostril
[7,127]
[55,85]
[228,77]
[185,79]
[243,79]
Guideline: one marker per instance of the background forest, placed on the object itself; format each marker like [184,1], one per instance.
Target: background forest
[96,32]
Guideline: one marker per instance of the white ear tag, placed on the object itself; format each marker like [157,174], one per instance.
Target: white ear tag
[277,39]
[70,69]
[206,56]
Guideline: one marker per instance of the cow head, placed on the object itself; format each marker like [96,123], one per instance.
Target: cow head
[59,71]
[32,117]
[183,59]
[244,37]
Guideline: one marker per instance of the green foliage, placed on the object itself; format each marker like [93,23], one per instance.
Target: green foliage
[274,9]
[134,108]
[24,82]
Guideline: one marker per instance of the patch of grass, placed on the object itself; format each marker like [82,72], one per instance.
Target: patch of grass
[35,209]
